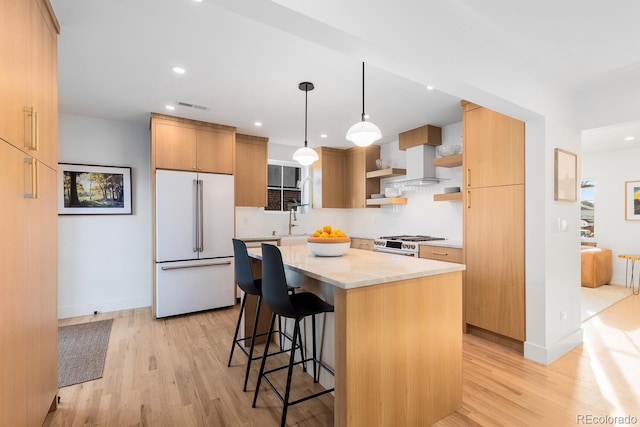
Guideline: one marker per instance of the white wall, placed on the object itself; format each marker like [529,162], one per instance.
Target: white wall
[105,260]
[610,170]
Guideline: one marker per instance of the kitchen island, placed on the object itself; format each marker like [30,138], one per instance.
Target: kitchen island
[394,340]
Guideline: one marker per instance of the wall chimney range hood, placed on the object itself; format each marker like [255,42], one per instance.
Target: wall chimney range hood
[420,168]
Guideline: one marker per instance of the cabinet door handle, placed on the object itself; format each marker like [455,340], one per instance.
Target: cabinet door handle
[440,253]
[33,142]
[468,177]
[468,199]
[34,178]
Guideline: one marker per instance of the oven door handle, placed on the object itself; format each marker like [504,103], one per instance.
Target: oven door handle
[396,252]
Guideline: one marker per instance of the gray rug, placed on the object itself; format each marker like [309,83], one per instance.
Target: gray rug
[81,351]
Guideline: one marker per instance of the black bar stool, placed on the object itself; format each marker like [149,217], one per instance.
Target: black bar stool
[292,306]
[251,286]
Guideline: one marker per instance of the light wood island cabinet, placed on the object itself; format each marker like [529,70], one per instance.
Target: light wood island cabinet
[28,208]
[251,170]
[191,145]
[493,161]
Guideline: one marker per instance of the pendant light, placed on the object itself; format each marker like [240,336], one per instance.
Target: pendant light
[363,133]
[305,155]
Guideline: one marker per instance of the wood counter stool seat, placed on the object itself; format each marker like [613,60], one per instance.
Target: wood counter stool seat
[293,306]
[251,286]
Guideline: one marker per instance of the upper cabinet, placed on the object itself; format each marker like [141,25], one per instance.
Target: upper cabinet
[359,160]
[251,170]
[340,177]
[493,147]
[29,107]
[190,145]
[328,174]
[423,135]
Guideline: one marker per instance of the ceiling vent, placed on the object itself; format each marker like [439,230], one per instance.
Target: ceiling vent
[188,105]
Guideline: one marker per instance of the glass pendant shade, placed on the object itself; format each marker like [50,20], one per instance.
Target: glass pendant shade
[305,156]
[363,133]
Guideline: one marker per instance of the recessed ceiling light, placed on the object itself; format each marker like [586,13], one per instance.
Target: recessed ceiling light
[198,1]
[323,135]
[257,124]
[170,107]
[178,70]
[629,138]
[430,88]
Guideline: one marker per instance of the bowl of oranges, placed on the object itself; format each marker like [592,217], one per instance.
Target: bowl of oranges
[328,241]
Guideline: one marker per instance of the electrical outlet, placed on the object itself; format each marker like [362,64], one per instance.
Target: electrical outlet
[563,315]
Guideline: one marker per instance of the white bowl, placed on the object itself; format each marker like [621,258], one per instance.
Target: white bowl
[448,150]
[328,249]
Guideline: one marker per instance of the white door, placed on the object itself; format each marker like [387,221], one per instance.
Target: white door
[217,215]
[175,215]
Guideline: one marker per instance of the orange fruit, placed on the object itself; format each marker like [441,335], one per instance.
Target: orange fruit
[326,229]
[341,234]
[324,235]
[316,234]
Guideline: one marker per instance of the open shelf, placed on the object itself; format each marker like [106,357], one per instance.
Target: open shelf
[447,197]
[385,173]
[387,201]
[448,161]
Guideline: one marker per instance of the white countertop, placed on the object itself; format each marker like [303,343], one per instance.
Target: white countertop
[444,243]
[357,268]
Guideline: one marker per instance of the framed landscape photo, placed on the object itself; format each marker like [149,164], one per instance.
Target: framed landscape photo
[632,201]
[93,190]
[565,176]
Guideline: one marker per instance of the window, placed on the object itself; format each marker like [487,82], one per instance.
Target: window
[283,193]
[587,188]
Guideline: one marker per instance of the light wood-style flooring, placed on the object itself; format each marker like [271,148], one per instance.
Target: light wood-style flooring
[174,372]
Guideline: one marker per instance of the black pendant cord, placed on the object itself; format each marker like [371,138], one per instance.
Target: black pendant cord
[363,91]
[306,94]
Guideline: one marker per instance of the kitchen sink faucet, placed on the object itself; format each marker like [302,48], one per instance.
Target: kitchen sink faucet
[292,217]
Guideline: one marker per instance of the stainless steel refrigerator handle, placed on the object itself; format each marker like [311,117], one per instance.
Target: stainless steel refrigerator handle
[201,215]
[195,215]
[209,264]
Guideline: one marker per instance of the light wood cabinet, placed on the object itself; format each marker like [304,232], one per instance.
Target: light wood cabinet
[423,135]
[251,170]
[28,208]
[328,174]
[366,244]
[441,253]
[28,293]
[494,246]
[28,80]
[493,160]
[359,160]
[190,145]
[493,148]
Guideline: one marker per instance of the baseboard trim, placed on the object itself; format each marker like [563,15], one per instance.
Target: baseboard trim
[547,355]
[102,307]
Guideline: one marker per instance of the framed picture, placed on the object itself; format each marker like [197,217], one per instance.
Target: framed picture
[632,201]
[92,190]
[565,176]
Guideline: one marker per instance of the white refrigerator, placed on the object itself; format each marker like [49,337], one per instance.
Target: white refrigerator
[194,252]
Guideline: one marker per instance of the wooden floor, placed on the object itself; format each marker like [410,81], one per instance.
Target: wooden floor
[174,373]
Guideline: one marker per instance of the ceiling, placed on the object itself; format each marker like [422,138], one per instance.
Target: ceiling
[244,60]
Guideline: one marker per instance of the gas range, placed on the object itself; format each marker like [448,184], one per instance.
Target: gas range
[402,244]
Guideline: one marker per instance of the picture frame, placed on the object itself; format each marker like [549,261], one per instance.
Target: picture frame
[565,181]
[632,200]
[99,190]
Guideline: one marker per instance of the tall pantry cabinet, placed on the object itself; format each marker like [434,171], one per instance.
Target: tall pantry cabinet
[28,212]
[493,160]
